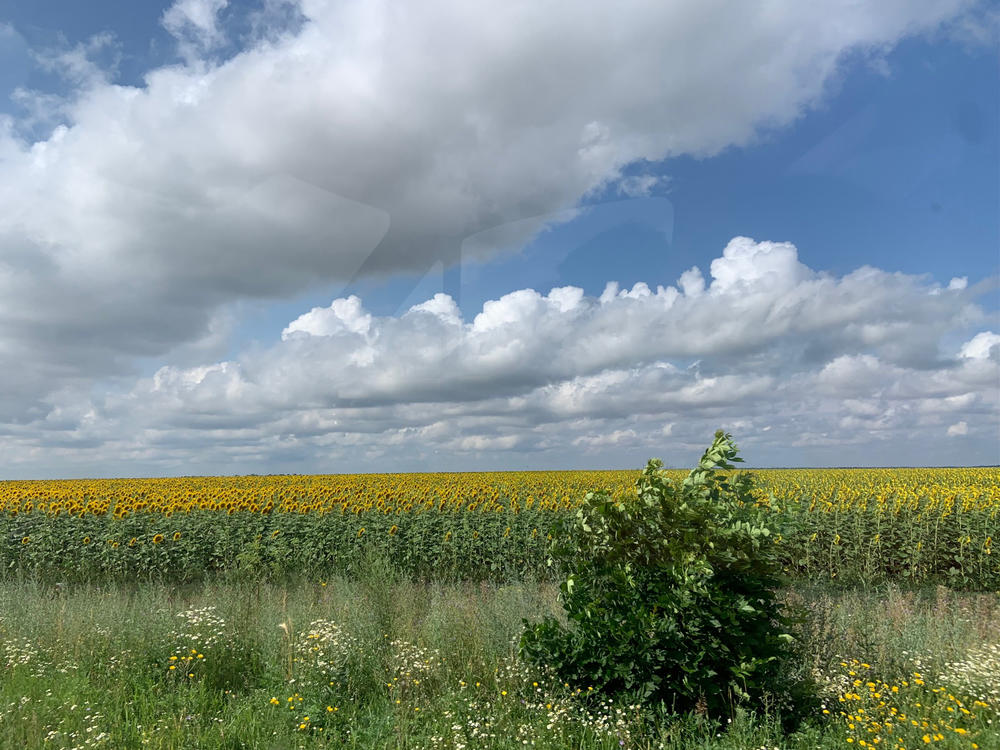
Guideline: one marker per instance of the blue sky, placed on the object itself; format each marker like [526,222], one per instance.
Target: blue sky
[232,230]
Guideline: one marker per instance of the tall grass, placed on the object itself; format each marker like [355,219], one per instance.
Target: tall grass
[376,661]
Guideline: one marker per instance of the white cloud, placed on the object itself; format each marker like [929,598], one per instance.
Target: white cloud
[784,357]
[746,263]
[618,437]
[195,25]
[639,186]
[959,428]
[373,138]
[691,282]
[959,282]
[441,306]
[981,346]
[342,316]
[77,64]
[368,139]
[760,298]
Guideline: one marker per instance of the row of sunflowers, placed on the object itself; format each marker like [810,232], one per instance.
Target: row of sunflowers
[848,525]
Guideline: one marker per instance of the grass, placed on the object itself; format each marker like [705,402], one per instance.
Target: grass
[377,662]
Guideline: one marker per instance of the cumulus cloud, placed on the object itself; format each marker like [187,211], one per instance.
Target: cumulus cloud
[784,355]
[365,139]
[343,315]
[959,282]
[761,302]
[982,346]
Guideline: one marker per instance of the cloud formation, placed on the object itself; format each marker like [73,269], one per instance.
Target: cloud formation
[366,139]
[195,26]
[788,357]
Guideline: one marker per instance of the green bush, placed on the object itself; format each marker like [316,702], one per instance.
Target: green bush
[670,597]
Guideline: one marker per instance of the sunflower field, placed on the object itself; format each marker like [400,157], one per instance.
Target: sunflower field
[843,525]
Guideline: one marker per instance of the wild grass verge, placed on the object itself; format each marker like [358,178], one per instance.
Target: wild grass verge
[379,662]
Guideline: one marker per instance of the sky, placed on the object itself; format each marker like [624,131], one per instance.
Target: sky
[317,236]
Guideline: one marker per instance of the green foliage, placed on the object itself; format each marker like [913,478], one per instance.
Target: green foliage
[671,597]
[915,542]
[912,546]
[87,665]
[190,546]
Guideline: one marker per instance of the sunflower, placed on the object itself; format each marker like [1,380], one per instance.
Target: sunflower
[393,530]
[132,542]
[158,538]
[177,536]
[25,540]
[86,540]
